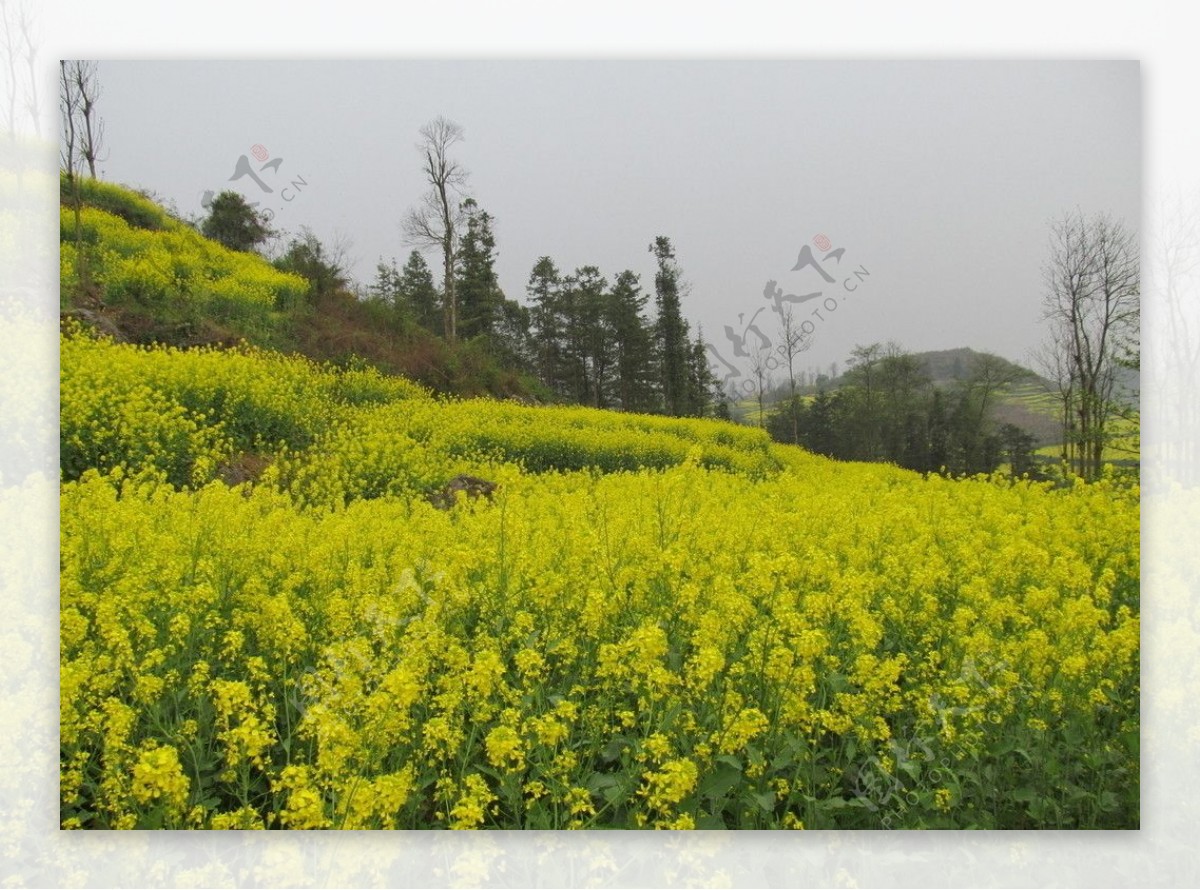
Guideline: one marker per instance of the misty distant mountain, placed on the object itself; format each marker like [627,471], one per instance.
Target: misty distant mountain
[1030,402]
[947,366]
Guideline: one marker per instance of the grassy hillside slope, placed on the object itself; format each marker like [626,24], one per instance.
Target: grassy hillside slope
[131,270]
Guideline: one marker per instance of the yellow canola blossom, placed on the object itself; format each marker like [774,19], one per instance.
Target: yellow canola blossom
[650,622]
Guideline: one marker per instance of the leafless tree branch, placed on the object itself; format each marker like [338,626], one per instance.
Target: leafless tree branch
[1092,301]
[437,220]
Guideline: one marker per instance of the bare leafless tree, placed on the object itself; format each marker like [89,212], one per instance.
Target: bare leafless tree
[70,109]
[68,103]
[88,126]
[437,220]
[70,157]
[761,365]
[1051,359]
[20,50]
[11,84]
[793,341]
[29,50]
[1092,301]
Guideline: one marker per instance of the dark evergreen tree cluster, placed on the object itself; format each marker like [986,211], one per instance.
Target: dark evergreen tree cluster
[588,340]
[595,344]
[307,257]
[410,291]
[887,409]
[483,313]
[235,223]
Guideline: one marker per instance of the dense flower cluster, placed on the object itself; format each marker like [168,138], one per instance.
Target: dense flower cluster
[173,269]
[184,412]
[715,632]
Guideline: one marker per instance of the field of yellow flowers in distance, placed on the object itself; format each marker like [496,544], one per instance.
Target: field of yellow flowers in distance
[649,623]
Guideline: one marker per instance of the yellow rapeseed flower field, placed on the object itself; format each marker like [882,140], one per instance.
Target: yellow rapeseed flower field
[650,622]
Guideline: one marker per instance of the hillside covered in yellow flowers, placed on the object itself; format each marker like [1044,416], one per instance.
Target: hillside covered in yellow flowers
[267,621]
[300,595]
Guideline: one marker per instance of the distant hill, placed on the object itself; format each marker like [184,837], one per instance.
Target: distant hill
[948,366]
[1030,402]
[951,365]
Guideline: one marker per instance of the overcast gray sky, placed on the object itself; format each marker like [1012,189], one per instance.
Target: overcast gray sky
[937,178]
